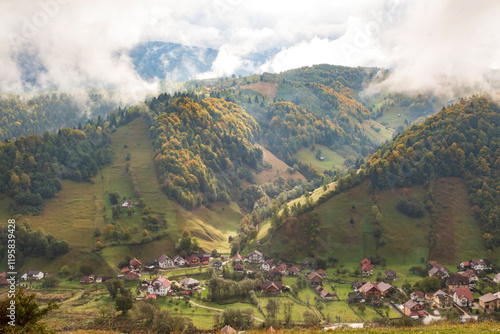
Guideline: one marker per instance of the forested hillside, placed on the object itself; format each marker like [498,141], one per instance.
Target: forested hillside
[200,147]
[33,166]
[461,140]
[21,115]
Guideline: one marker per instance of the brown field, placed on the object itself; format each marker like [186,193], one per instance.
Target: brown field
[265,88]
[269,174]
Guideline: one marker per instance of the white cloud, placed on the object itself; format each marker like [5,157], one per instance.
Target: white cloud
[79,41]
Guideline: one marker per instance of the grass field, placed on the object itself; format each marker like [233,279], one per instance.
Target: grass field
[406,239]
[378,136]
[458,237]
[80,207]
[333,160]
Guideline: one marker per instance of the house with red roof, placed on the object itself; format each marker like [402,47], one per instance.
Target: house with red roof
[238,268]
[159,286]
[271,287]
[132,276]
[238,259]
[293,271]
[321,272]
[463,297]
[135,264]
[366,270]
[315,279]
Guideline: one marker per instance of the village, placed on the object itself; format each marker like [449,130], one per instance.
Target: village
[326,289]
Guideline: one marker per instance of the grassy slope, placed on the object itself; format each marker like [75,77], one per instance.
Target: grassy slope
[458,237]
[406,238]
[380,137]
[80,207]
[332,159]
[278,168]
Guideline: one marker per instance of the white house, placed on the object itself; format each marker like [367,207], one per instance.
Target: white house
[159,286]
[32,275]
[268,265]
[255,257]
[463,297]
[496,279]
[179,261]
[165,262]
[478,264]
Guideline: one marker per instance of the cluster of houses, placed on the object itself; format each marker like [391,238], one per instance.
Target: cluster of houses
[256,262]
[161,286]
[456,290]
[30,275]
[369,291]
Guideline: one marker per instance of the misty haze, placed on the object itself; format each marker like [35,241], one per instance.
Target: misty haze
[264,166]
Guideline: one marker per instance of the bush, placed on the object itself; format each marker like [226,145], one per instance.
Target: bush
[411,207]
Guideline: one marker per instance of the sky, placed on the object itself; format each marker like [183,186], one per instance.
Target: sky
[446,45]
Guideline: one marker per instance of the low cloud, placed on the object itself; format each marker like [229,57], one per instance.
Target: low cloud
[446,46]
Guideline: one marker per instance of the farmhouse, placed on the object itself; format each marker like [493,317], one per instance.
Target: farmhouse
[465,265]
[473,279]
[127,204]
[238,259]
[87,279]
[193,260]
[356,284]
[32,275]
[278,271]
[488,302]
[390,275]
[417,296]
[366,270]
[238,268]
[356,297]
[165,262]
[293,271]
[412,308]
[370,290]
[321,272]
[159,286]
[376,289]
[256,257]
[135,264]
[132,276]
[271,287]
[442,300]
[463,297]
[268,265]
[315,279]
[189,283]
[179,261]
[454,282]
[478,264]
[435,269]
[325,294]
[150,265]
